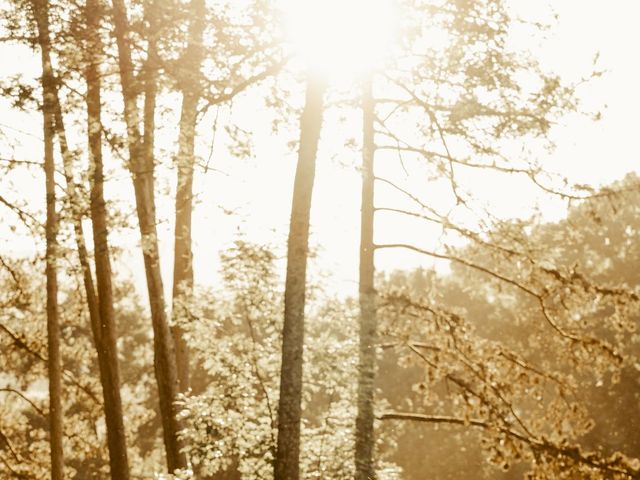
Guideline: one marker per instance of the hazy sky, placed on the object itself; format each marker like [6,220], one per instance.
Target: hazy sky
[259,189]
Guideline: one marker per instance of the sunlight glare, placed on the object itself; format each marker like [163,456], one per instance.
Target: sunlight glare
[341,37]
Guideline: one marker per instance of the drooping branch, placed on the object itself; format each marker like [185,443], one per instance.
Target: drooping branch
[23,397]
[449,225]
[21,343]
[539,297]
[461,261]
[213,100]
[22,214]
[592,460]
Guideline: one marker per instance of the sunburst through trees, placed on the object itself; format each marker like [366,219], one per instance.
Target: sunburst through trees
[318,239]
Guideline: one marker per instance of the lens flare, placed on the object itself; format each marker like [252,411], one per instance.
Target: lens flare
[341,37]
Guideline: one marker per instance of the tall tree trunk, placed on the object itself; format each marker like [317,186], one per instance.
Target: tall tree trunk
[76,213]
[41,11]
[286,465]
[102,329]
[141,166]
[105,334]
[183,256]
[365,441]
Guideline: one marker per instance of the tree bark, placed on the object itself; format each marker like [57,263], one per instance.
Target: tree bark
[41,12]
[286,465]
[103,329]
[105,335]
[364,434]
[100,314]
[183,255]
[141,166]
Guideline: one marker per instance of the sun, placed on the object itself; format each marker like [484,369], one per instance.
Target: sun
[341,37]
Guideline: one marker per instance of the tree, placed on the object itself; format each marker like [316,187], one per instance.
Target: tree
[469,110]
[514,362]
[104,333]
[461,97]
[100,312]
[183,257]
[23,351]
[41,13]
[237,60]
[141,160]
[364,441]
[231,425]
[286,464]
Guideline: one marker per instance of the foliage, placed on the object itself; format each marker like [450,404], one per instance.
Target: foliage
[23,385]
[231,423]
[524,356]
[494,356]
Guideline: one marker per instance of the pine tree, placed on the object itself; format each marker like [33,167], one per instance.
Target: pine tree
[287,466]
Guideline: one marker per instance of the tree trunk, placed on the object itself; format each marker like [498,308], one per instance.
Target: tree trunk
[102,323]
[103,329]
[364,441]
[289,409]
[76,214]
[41,12]
[105,334]
[141,166]
[183,255]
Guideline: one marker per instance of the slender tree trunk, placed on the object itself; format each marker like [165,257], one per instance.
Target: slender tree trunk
[76,214]
[103,329]
[105,334]
[41,12]
[365,441]
[141,166]
[286,465]
[183,255]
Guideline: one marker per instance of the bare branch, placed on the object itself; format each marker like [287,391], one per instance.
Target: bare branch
[461,261]
[573,453]
[24,397]
[21,343]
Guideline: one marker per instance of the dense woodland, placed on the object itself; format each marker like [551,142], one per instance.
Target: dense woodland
[512,354]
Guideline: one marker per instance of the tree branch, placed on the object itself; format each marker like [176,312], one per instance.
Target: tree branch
[573,453]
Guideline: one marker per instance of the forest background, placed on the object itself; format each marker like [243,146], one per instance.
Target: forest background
[516,224]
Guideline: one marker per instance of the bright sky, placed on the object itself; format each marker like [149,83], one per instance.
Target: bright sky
[259,189]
